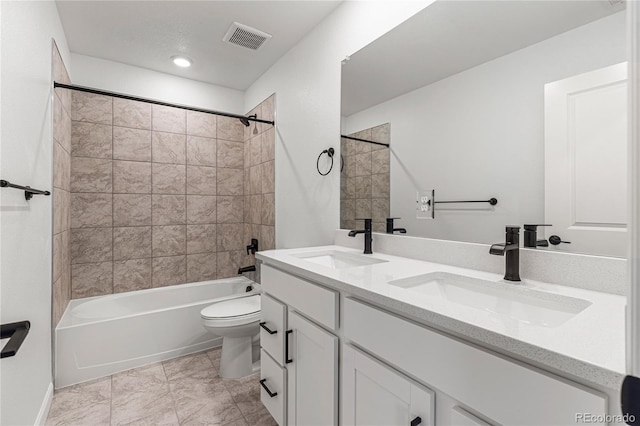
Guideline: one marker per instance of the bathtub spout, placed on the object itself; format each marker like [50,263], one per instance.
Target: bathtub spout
[246,269]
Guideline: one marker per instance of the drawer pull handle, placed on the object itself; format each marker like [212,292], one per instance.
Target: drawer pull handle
[264,325]
[271,394]
[286,348]
[416,421]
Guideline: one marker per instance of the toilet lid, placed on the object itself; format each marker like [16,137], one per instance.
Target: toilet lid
[233,307]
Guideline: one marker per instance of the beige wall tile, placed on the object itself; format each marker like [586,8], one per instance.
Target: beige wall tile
[60,74]
[363,186]
[380,186]
[91,279]
[91,245]
[131,275]
[201,209]
[230,181]
[134,114]
[230,236]
[363,208]
[201,267]
[362,147]
[61,124]
[350,189]
[348,210]
[256,208]
[169,270]
[268,177]
[60,253]
[131,177]
[169,240]
[380,209]
[230,154]
[201,151]
[381,134]
[201,124]
[61,210]
[247,209]
[131,144]
[131,209]
[169,178]
[230,209]
[350,166]
[91,175]
[363,164]
[201,238]
[168,148]
[268,209]
[59,303]
[230,129]
[229,262]
[90,210]
[268,235]
[131,242]
[380,161]
[348,147]
[247,154]
[256,150]
[61,167]
[168,119]
[255,177]
[268,147]
[91,140]
[169,210]
[201,180]
[92,108]
[379,227]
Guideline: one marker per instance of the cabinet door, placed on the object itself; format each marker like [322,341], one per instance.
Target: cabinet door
[374,394]
[312,370]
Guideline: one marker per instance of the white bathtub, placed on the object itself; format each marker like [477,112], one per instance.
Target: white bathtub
[102,335]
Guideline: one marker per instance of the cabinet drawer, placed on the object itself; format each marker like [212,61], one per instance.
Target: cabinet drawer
[316,302]
[273,379]
[273,327]
[501,390]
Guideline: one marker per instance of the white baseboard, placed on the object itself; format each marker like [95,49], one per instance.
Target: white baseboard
[44,408]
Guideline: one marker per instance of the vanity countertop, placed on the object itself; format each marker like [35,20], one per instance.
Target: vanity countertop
[590,345]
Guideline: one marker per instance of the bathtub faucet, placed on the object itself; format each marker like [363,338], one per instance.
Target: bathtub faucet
[246,269]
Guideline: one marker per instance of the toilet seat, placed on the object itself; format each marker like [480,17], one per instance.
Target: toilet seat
[232,312]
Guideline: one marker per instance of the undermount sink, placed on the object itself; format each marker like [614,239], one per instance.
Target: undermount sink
[505,300]
[337,260]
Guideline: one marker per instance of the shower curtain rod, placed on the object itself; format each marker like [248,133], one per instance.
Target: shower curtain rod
[155,102]
[364,140]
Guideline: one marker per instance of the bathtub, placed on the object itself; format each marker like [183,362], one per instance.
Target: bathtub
[102,335]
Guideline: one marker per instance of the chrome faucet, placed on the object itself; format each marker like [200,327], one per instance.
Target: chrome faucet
[367,235]
[512,249]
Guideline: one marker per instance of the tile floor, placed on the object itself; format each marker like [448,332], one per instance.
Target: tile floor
[181,391]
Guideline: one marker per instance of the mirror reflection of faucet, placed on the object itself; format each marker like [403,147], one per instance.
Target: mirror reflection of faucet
[391,229]
[531,237]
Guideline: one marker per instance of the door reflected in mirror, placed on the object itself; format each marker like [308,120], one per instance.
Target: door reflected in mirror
[462,91]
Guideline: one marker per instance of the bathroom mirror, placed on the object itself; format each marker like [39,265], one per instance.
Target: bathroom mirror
[466,94]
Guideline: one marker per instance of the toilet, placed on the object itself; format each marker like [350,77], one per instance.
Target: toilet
[236,320]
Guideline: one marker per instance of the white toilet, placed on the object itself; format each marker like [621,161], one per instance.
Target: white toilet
[236,320]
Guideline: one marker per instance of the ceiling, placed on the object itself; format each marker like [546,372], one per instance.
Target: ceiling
[148,33]
[448,37]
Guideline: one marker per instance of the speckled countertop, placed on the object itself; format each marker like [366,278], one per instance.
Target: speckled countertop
[588,345]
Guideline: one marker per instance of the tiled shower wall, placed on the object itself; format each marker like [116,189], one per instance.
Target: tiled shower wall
[61,290]
[259,178]
[364,180]
[157,196]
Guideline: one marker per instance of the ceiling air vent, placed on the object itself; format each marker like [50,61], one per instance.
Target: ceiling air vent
[245,36]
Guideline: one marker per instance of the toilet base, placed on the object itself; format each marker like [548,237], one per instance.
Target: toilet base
[237,358]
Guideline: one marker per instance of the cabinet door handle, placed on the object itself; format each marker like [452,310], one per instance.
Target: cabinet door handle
[264,386]
[263,325]
[416,421]
[286,348]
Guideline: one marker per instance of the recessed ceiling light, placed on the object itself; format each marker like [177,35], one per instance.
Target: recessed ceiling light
[181,61]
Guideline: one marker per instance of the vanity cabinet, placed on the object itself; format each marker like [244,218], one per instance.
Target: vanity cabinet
[375,394]
[293,336]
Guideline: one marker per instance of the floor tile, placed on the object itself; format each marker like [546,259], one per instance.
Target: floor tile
[245,393]
[214,355]
[85,403]
[261,418]
[197,366]
[203,403]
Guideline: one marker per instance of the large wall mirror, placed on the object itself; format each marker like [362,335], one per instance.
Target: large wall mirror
[521,101]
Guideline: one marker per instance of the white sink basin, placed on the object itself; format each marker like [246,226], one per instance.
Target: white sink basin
[337,260]
[499,298]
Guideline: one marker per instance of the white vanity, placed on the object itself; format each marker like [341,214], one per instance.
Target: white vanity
[359,339]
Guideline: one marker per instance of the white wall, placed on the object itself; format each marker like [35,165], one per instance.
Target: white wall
[26,158]
[480,134]
[117,77]
[306,81]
